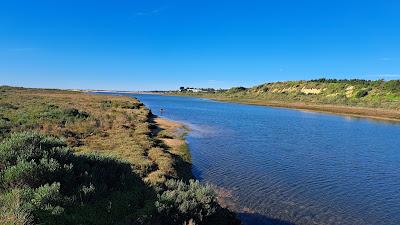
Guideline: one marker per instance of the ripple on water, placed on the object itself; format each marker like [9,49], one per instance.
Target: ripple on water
[286,167]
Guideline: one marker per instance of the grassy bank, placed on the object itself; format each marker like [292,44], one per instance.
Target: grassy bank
[377,99]
[73,158]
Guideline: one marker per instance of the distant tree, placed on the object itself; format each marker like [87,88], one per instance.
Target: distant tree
[393,86]
[182,88]
[237,89]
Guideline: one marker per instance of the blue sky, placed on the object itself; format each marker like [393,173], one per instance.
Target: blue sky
[147,45]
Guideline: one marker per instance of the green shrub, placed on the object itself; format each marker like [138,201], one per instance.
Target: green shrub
[392,86]
[236,89]
[5,106]
[54,112]
[19,175]
[5,127]
[55,183]
[183,202]
[361,93]
[120,104]
[28,146]
[12,211]
[72,112]
[164,134]
[48,198]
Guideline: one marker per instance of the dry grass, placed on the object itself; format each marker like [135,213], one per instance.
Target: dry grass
[174,138]
[117,126]
[11,212]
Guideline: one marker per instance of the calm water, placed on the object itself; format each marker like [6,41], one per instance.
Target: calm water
[292,167]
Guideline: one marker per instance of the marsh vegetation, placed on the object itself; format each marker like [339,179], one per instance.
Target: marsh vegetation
[73,158]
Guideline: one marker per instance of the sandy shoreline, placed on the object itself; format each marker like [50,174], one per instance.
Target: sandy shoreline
[174,129]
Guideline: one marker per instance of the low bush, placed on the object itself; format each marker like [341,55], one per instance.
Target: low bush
[184,203]
[121,104]
[5,127]
[361,93]
[11,210]
[164,134]
[53,183]
[4,106]
[64,115]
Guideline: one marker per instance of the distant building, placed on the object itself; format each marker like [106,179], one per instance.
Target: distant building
[194,90]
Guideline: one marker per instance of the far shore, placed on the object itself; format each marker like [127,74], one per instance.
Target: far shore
[123,92]
[361,112]
[389,115]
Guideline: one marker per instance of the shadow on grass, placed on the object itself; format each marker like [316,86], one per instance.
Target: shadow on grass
[106,191]
[183,168]
[61,187]
[122,197]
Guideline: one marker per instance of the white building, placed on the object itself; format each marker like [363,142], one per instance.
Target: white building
[194,90]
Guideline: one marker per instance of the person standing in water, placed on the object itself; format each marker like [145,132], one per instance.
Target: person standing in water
[162,111]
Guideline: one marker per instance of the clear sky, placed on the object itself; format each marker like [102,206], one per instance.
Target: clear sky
[154,44]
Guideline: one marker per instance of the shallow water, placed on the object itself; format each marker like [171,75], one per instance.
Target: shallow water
[292,167]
